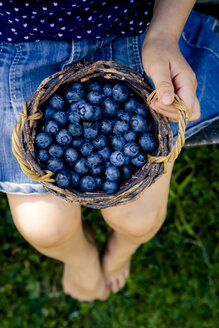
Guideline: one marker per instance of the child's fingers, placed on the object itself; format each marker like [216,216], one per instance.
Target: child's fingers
[171,117]
[188,95]
[160,74]
[168,108]
[171,112]
[168,111]
[186,89]
[196,111]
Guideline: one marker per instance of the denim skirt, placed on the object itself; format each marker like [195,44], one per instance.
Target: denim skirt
[24,65]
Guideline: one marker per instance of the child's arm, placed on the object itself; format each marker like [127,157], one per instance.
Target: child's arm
[163,61]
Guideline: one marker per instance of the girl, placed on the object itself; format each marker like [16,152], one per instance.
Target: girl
[40,38]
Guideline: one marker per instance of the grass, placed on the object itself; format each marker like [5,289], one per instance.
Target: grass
[174,277]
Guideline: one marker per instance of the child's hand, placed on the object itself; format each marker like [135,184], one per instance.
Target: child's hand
[165,65]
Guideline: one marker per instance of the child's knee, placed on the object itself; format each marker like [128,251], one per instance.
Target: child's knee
[138,224]
[146,223]
[44,226]
[42,231]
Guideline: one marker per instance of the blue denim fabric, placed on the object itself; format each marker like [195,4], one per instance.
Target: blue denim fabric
[22,68]
[200,46]
[24,65]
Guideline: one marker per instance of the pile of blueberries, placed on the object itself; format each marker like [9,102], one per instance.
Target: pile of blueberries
[94,136]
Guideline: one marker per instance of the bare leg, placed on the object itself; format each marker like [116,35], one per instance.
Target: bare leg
[54,228]
[133,224]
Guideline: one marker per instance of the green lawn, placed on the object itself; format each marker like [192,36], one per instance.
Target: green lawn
[174,277]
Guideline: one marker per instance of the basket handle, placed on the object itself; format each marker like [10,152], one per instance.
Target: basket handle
[17,150]
[180,140]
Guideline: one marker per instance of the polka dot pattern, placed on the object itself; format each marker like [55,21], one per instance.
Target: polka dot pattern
[32,21]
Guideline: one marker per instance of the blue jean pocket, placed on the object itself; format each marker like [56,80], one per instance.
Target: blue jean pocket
[122,50]
[89,50]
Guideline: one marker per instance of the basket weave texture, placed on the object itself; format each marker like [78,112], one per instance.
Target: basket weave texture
[24,133]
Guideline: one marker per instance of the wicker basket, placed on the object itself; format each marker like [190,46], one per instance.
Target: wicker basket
[25,130]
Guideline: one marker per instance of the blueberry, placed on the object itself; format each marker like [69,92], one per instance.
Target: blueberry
[86,149]
[126,172]
[100,142]
[106,126]
[147,141]
[110,187]
[56,102]
[130,105]
[95,86]
[90,130]
[94,97]
[120,127]
[85,111]
[63,179]
[80,166]
[141,109]
[99,182]
[139,160]
[123,116]
[117,142]
[43,140]
[55,164]
[112,173]
[48,112]
[70,156]
[75,179]
[75,92]
[75,129]
[43,154]
[107,89]
[97,113]
[60,117]
[73,117]
[127,160]
[117,158]
[96,169]
[109,106]
[56,150]
[74,106]
[107,164]
[94,159]
[139,123]
[72,96]
[51,127]
[78,142]
[105,153]
[120,92]
[88,183]
[64,137]
[131,149]
[77,86]
[130,135]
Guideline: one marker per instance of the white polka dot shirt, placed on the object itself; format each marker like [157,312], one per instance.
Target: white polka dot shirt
[32,21]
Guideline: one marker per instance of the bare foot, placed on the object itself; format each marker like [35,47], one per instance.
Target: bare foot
[86,283]
[116,267]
